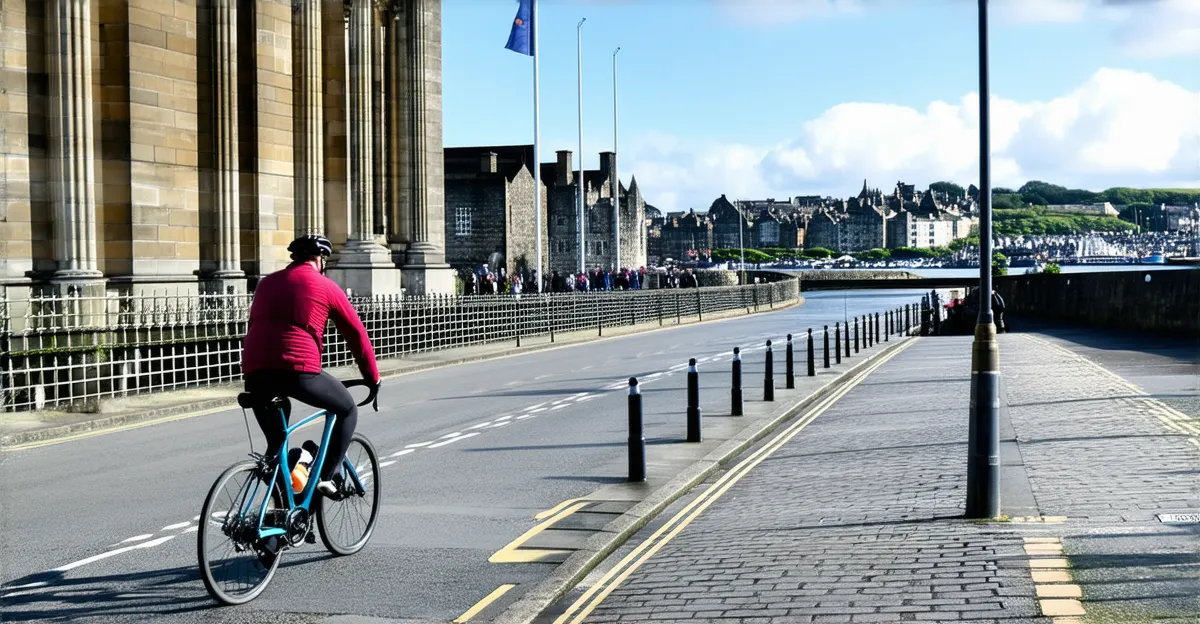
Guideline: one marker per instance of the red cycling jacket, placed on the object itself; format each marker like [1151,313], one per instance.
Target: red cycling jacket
[287,323]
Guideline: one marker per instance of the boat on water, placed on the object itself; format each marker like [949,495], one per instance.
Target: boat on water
[1154,258]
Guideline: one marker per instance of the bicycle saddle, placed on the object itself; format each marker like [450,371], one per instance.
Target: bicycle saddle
[249,400]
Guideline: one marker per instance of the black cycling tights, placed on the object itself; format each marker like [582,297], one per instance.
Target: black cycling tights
[320,390]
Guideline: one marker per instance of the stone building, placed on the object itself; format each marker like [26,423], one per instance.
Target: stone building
[489,208]
[687,234]
[599,232]
[728,231]
[184,143]
[929,224]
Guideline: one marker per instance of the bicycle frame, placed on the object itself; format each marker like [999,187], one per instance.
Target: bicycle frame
[306,496]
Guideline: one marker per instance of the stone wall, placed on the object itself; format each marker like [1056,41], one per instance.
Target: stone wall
[485,199]
[1169,301]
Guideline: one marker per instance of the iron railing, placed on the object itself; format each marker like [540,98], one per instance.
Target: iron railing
[71,352]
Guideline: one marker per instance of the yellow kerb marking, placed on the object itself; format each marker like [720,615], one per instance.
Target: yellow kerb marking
[555,509]
[482,604]
[1059,591]
[1042,540]
[1051,576]
[1060,606]
[510,554]
[1043,549]
[1057,563]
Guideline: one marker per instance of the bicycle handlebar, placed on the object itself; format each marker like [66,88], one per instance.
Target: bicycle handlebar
[372,398]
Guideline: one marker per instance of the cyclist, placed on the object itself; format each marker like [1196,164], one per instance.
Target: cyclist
[281,355]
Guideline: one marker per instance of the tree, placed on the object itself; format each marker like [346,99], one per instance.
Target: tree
[818,252]
[949,188]
[999,264]
[873,254]
[1053,268]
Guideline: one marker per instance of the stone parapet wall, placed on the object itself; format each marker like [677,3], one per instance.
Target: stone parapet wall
[1152,300]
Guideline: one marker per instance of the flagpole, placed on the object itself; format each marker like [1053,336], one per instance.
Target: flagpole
[616,179]
[537,155]
[579,185]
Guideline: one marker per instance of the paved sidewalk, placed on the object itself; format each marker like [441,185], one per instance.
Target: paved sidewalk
[858,518]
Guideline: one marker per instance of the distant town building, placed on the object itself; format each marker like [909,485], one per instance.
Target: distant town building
[686,235]
[929,224]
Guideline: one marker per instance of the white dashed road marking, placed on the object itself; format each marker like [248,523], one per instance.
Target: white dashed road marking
[453,440]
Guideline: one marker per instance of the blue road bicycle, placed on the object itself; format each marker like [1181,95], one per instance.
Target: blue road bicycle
[252,515]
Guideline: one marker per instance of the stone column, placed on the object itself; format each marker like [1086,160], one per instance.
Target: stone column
[396,111]
[364,266]
[225,100]
[72,141]
[307,81]
[426,271]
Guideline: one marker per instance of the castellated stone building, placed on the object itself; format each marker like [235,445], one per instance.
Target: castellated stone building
[184,143]
[490,216]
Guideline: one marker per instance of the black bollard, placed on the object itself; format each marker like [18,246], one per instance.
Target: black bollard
[812,357]
[736,389]
[769,375]
[693,399]
[825,338]
[887,325]
[847,345]
[837,341]
[637,440]
[876,341]
[789,370]
[867,340]
[856,334]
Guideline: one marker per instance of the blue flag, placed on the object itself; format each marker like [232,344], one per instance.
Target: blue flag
[520,40]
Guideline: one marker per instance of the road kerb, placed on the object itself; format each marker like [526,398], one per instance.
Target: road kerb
[598,548]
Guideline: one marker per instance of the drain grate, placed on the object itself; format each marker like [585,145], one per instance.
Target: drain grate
[1179,518]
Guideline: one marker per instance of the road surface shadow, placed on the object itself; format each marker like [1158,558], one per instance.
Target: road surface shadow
[172,591]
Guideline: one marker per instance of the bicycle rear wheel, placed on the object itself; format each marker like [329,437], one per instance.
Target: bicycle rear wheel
[235,564]
[347,521]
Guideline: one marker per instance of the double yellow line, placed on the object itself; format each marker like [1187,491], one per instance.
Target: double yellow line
[620,572]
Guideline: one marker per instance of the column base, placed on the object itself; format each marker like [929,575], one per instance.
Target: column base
[365,269]
[428,280]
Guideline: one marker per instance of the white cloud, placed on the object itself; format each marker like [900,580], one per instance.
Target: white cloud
[1157,28]
[1119,128]
[1043,10]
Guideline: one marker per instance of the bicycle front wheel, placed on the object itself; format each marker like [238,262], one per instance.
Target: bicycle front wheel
[347,521]
[235,564]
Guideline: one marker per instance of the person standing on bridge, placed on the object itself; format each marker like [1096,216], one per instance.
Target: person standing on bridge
[998,311]
[281,354]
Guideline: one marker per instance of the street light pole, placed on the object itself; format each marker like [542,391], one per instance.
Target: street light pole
[983,455]
[616,179]
[579,185]
[741,239]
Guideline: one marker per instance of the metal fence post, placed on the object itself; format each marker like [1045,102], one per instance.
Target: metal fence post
[825,339]
[637,440]
[678,310]
[699,305]
[693,399]
[789,371]
[769,375]
[735,392]
[812,357]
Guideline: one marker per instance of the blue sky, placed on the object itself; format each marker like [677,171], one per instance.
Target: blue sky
[705,82]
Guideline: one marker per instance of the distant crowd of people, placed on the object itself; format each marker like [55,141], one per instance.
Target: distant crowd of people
[484,280]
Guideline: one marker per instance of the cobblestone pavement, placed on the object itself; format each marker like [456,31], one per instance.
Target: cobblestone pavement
[1100,451]
[856,519]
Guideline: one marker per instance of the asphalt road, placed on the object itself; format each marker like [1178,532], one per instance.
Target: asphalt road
[113,512]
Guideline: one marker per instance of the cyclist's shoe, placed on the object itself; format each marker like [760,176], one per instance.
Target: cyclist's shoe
[331,487]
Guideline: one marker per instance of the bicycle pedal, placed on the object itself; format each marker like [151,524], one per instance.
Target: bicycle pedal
[311,538]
